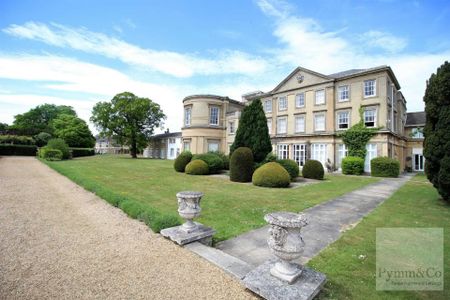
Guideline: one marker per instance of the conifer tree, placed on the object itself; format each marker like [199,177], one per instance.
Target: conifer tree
[437,130]
[252,131]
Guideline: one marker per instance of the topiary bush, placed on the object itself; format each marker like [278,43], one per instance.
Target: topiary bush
[197,167]
[384,167]
[61,145]
[313,169]
[241,165]
[291,167]
[352,165]
[23,150]
[48,153]
[182,160]
[213,160]
[225,159]
[271,174]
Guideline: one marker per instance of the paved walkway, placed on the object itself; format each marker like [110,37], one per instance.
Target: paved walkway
[327,221]
[59,241]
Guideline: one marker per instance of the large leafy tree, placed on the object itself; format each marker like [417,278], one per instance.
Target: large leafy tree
[3,128]
[129,119]
[73,130]
[39,119]
[252,131]
[437,130]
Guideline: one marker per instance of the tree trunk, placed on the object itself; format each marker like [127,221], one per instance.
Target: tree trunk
[133,150]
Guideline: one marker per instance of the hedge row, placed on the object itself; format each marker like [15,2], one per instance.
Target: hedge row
[23,150]
[16,139]
[79,152]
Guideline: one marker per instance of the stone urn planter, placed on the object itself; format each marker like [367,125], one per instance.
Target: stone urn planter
[286,243]
[189,208]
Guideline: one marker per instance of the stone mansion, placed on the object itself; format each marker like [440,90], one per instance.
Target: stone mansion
[307,110]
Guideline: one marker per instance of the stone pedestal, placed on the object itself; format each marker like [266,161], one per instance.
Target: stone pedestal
[190,231]
[263,283]
[180,236]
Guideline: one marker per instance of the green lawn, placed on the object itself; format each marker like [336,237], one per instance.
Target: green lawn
[416,204]
[230,208]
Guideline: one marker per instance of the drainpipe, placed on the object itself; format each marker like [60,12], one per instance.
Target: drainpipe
[392,116]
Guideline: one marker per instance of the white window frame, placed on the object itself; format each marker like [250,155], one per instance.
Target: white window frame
[269,125]
[212,115]
[279,127]
[297,127]
[188,148]
[319,152]
[342,152]
[343,93]
[268,106]
[371,153]
[282,103]
[340,120]
[374,117]
[299,154]
[283,151]
[324,122]
[300,100]
[232,130]
[322,99]
[187,116]
[416,134]
[210,143]
[368,88]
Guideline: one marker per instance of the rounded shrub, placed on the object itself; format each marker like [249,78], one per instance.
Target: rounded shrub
[313,169]
[197,167]
[290,166]
[213,160]
[225,159]
[352,165]
[384,167]
[182,160]
[48,153]
[61,145]
[271,174]
[241,165]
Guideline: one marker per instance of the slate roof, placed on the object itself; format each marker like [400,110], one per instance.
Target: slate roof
[347,73]
[415,118]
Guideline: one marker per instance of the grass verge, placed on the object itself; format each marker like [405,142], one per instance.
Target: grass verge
[350,262]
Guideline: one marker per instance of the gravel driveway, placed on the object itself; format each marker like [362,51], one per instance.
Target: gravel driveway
[59,241]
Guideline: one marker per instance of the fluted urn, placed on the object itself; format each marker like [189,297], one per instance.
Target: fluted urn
[189,208]
[286,243]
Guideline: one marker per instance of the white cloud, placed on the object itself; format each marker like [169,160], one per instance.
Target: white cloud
[383,40]
[167,62]
[69,75]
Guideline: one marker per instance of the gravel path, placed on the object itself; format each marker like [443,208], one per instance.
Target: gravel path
[59,241]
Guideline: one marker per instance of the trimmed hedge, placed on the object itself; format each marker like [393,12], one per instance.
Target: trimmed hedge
[16,139]
[61,145]
[80,152]
[48,153]
[197,167]
[213,160]
[291,167]
[225,159]
[352,165]
[182,160]
[313,169]
[241,165]
[271,174]
[384,167]
[22,150]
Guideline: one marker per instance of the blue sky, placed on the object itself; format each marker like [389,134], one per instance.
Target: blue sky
[81,52]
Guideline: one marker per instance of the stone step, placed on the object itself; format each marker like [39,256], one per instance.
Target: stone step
[230,264]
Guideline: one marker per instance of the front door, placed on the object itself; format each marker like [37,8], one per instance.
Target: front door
[418,162]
